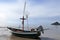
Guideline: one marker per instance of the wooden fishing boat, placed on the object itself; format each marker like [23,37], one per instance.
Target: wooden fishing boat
[25,33]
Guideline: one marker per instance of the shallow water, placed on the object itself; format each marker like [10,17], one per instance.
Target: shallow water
[52,34]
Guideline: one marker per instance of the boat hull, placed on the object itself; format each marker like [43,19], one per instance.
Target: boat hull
[26,34]
[20,33]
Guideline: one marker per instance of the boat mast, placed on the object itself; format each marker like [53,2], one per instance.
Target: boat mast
[23,16]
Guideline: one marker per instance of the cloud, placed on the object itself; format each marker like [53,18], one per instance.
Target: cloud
[8,1]
[49,8]
[11,12]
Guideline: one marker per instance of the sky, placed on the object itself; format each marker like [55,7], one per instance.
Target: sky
[39,12]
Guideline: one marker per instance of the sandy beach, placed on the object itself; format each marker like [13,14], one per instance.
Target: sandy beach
[52,34]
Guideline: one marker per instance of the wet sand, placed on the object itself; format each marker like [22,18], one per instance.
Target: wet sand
[52,34]
[5,34]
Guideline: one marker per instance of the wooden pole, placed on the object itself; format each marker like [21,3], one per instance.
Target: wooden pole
[23,23]
[23,16]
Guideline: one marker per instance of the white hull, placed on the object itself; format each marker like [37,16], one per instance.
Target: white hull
[25,32]
[18,32]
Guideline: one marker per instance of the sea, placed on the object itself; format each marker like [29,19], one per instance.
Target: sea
[51,32]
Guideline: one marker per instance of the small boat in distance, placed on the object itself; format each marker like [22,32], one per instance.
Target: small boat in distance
[34,33]
[55,23]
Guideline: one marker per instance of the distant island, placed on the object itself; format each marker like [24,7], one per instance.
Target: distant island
[55,23]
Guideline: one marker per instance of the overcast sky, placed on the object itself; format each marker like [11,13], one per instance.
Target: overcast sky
[39,11]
